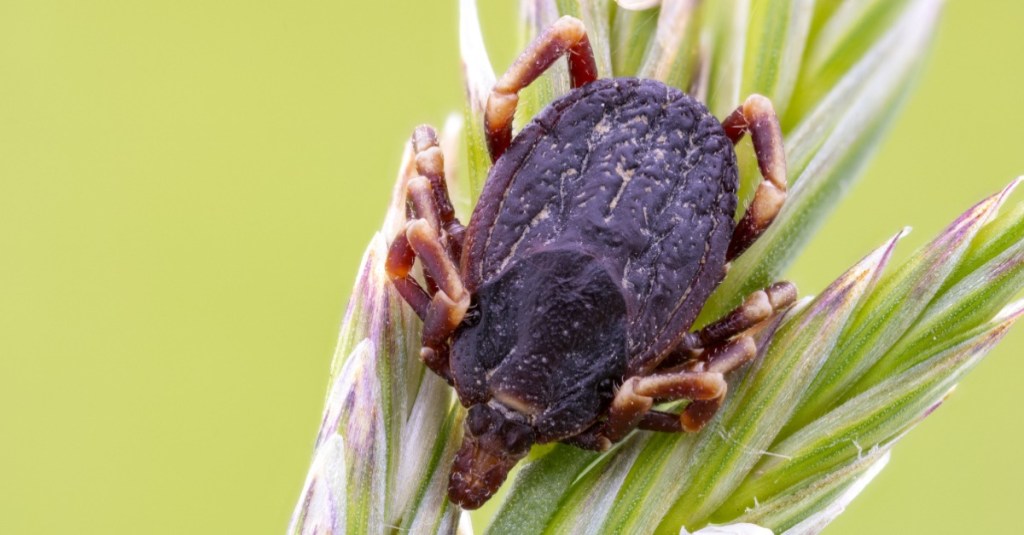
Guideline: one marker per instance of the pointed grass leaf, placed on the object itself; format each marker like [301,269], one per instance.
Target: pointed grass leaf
[890,311]
[875,419]
[323,501]
[827,150]
[1004,231]
[768,395]
[974,299]
[807,510]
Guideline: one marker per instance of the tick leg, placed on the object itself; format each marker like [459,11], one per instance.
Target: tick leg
[449,304]
[661,421]
[567,36]
[701,363]
[428,193]
[398,265]
[720,359]
[442,312]
[637,395]
[757,116]
[436,359]
[701,380]
[435,236]
[427,196]
[757,308]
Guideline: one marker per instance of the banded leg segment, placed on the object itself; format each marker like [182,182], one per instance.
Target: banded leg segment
[757,116]
[696,371]
[442,312]
[637,395]
[433,235]
[428,193]
[567,36]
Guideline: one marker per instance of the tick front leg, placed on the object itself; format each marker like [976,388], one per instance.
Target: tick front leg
[398,266]
[435,236]
[755,309]
[757,116]
[696,371]
[720,359]
[428,199]
[448,305]
[636,396]
[442,312]
[567,36]
[428,193]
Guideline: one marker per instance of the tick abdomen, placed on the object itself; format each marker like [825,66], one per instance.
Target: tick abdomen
[641,173]
[550,341]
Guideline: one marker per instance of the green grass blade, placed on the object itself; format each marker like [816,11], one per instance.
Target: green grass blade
[725,26]
[871,420]
[842,434]
[775,44]
[827,150]
[890,311]
[585,508]
[1003,232]
[971,301]
[430,511]
[631,35]
[358,402]
[810,506]
[538,489]
[644,497]
[762,404]
[847,34]
[671,54]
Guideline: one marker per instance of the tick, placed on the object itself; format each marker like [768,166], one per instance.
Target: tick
[562,313]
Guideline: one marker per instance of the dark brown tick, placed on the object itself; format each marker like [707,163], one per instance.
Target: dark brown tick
[563,312]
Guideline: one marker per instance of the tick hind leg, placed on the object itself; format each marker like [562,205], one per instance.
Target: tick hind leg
[757,116]
[696,370]
[567,36]
[433,235]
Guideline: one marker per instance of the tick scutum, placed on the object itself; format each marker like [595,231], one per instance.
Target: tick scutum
[636,174]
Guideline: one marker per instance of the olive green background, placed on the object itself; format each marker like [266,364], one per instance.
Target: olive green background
[186,188]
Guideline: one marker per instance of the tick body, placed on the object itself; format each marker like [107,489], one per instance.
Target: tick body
[563,311]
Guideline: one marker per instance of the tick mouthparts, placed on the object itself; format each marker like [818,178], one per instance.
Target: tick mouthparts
[477,472]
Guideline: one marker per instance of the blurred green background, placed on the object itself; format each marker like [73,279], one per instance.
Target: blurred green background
[185,191]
